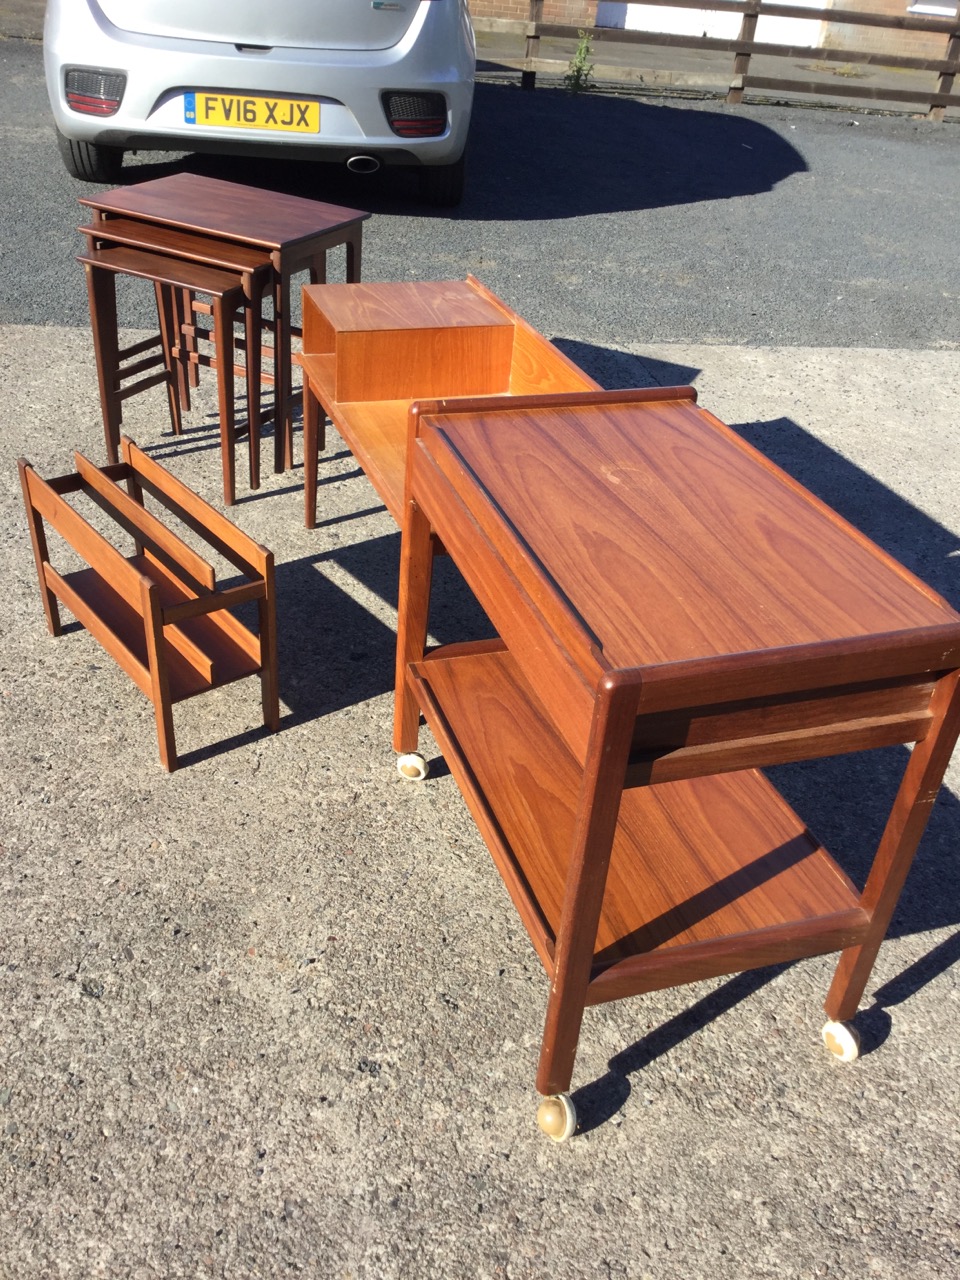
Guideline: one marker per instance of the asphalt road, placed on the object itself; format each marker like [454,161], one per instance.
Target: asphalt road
[635,218]
[274,1014]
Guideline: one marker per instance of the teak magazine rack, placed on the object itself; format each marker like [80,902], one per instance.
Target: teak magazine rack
[674,613]
[159,613]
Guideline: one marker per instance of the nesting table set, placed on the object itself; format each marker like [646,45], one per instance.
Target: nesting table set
[186,229]
[673,613]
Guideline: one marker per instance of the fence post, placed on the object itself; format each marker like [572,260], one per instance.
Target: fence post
[945,83]
[741,62]
[528,77]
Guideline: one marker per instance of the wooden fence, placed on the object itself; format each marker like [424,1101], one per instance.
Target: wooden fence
[937,98]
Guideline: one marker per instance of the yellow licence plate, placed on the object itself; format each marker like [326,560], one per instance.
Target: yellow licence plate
[291,115]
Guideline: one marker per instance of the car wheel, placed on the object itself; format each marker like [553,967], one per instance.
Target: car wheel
[442,184]
[88,161]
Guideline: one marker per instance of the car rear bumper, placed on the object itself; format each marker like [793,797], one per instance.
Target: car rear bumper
[347,85]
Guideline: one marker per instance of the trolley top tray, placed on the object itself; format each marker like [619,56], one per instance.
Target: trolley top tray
[633,534]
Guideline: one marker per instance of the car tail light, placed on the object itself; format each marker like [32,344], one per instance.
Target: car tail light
[93,92]
[416,115]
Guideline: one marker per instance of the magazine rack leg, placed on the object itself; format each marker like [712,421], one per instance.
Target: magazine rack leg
[41,557]
[159,683]
[269,680]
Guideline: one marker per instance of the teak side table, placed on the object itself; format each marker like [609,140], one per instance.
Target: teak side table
[674,613]
[191,256]
[177,342]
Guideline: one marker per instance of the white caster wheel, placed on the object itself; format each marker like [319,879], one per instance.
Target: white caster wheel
[412,766]
[557,1117]
[842,1039]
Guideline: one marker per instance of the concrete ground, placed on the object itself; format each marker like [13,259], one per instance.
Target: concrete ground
[22,19]
[275,1015]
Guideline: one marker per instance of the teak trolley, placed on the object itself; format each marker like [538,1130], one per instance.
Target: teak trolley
[674,612]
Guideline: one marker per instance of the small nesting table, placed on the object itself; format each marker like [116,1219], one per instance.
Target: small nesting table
[176,277]
[674,613]
[296,232]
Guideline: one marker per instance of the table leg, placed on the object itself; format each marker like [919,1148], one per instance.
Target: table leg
[597,811]
[102,292]
[314,433]
[171,337]
[193,368]
[253,292]
[318,269]
[894,857]
[224,309]
[353,243]
[187,370]
[283,415]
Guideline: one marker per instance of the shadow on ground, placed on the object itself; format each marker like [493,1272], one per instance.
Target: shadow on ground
[602,1098]
[333,652]
[620,370]
[547,155]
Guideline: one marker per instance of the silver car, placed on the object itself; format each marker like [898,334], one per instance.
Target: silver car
[363,82]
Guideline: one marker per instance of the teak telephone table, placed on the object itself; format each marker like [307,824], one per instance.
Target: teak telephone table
[674,612]
[369,350]
[296,233]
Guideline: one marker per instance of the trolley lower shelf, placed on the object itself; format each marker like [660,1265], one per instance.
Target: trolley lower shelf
[708,876]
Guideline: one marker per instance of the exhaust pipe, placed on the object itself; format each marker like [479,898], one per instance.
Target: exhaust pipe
[363,164]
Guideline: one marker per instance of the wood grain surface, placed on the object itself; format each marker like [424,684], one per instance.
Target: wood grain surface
[672,539]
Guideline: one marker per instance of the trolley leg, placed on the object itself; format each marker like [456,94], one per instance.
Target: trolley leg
[894,857]
[597,810]
[416,574]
